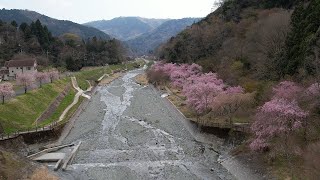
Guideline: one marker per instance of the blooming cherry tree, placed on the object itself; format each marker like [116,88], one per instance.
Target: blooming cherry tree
[6,90]
[200,95]
[200,90]
[287,90]
[277,117]
[53,75]
[26,80]
[41,77]
[313,90]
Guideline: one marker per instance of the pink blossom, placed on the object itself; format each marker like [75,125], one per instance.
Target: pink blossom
[234,90]
[259,144]
[278,116]
[26,80]
[287,90]
[313,90]
[200,90]
[6,90]
[41,77]
[53,75]
[200,95]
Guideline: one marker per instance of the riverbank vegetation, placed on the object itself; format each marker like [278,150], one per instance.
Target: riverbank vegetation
[271,50]
[86,59]
[21,112]
[207,96]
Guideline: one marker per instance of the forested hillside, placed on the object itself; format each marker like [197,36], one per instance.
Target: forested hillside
[147,42]
[262,41]
[125,28]
[269,48]
[67,51]
[57,27]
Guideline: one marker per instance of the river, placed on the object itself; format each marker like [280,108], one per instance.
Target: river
[129,132]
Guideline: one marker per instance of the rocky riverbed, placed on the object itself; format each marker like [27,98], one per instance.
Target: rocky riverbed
[129,132]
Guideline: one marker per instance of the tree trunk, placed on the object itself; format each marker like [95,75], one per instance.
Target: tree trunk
[288,155]
[2,99]
[40,84]
[305,133]
[25,89]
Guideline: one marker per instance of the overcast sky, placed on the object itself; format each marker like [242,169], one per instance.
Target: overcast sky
[82,11]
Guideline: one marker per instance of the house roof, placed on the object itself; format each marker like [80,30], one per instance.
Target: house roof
[20,63]
[4,71]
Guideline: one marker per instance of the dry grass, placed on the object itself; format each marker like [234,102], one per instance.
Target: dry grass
[142,79]
[43,174]
[109,79]
[13,166]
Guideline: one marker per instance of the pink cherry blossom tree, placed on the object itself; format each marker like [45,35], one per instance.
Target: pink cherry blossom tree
[313,90]
[41,77]
[26,80]
[277,117]
[179,74]
[200,91]
[6,91]
[287,90]
[53,75]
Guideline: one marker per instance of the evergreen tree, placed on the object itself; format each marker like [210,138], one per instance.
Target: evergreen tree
[14,24]
[305,23]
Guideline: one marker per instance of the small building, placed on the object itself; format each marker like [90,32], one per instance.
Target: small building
[4,74]
[13,67]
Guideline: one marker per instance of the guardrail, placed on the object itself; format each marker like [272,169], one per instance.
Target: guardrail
[6,136]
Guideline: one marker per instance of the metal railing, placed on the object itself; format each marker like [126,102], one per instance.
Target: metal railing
[6,136]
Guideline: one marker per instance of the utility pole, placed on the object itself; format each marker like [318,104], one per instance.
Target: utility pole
[20,48]
[47,53]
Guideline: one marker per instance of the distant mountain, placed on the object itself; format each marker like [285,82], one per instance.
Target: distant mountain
[126,28]
[146,43]
[57,27]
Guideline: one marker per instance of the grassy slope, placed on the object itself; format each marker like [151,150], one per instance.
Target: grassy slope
[68,99]
[20,112]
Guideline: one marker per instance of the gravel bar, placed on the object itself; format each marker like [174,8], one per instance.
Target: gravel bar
[129,132]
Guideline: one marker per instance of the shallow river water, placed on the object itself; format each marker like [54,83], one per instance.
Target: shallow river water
[129,132]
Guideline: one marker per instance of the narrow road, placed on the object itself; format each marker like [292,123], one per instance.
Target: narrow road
[130,132]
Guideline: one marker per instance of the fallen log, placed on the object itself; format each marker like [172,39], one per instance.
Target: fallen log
[56,167]
[70,157]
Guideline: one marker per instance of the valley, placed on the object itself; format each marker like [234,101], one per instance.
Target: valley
[160,89]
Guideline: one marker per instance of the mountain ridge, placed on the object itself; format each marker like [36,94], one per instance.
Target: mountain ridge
[148,42]
[57,27]
[126,28]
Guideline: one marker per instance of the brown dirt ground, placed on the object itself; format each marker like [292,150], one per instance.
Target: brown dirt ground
[107,80]
[142,79]
[13,166]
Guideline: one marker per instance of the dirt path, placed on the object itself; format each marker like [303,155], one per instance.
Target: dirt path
[76,97]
